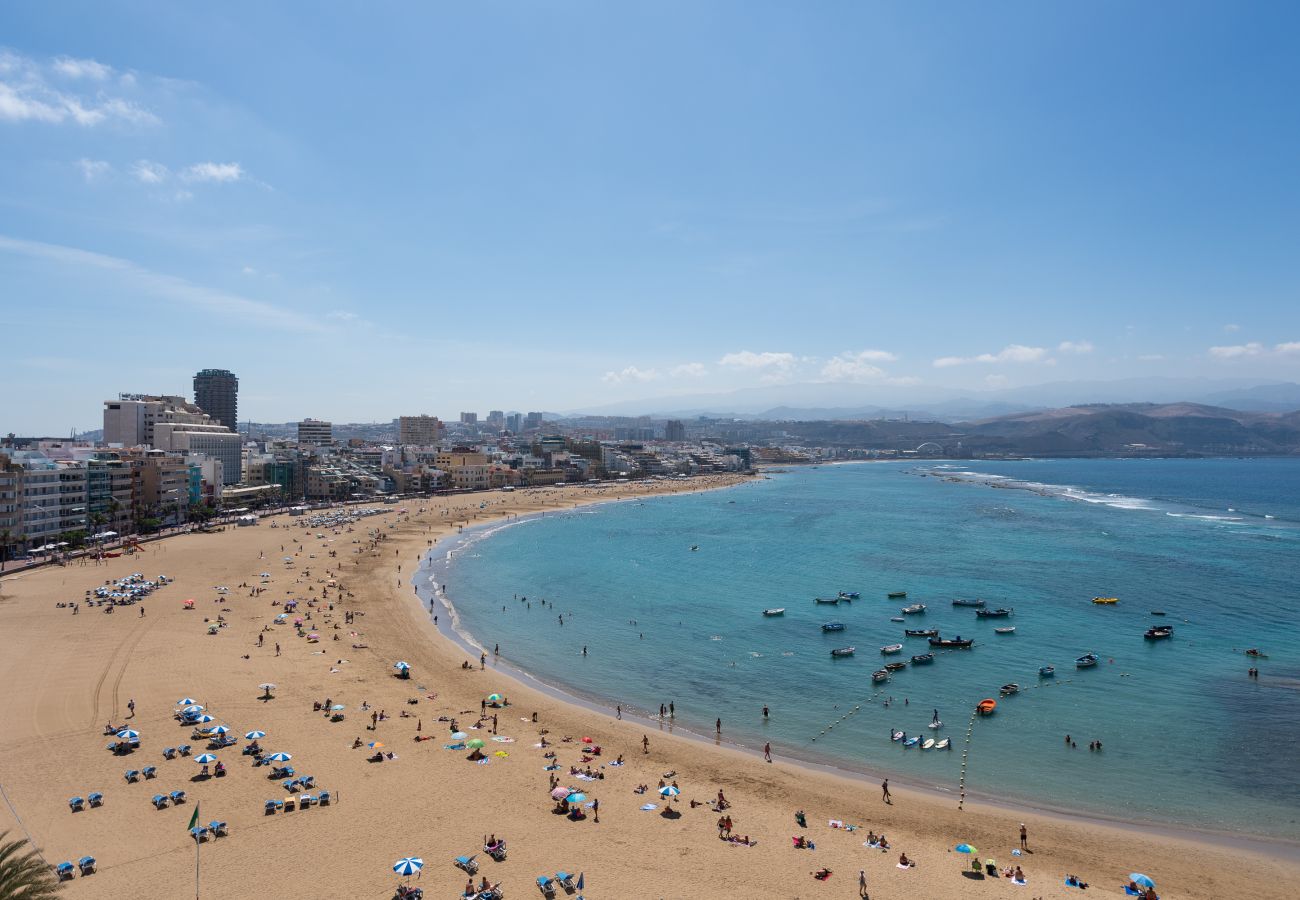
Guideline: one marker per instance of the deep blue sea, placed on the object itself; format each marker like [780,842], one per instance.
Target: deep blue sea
[1188,737]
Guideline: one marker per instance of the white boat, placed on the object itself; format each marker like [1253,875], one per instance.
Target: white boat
[844,651]
[913,609]
[779,611]
[891,648]
[1010,629]
[1087,661]
[897,619]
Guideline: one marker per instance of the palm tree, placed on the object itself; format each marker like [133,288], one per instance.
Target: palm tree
[24,875]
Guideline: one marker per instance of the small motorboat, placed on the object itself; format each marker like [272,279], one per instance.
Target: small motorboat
[943,744]
[849,595]
[1009,629]
[833,626]
[913,609]
[968,603]
[778,611]
[986,706]
[879,675]
[1258,654]
[897,619]
[891,648]
[844,651]
[912,741]
[894,666]
[999,613]
[1008,689]
[922,659]
[896,595]
[1046,671]
[928,744]
[826,599]
[1087,661]
[1105,601]
[921,632]
[897,735]
[1157,612]
[957,643]
[1159,632]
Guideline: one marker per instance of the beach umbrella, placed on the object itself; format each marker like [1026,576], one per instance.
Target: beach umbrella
[375,745]
[255,735]
[586,740]
[401,665]
[475,744]
[193,708]
[267,686]
[965,848]
[559,793]
[205,719]
[220,729]
[186,701]
[128,734]
[1144,880]
[408,866]
[669,791]
[204,758]
[494,698]
[575,798]
[458,735]
[280,757]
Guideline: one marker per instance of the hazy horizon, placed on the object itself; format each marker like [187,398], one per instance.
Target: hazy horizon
[368,212]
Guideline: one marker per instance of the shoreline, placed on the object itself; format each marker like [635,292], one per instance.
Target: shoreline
[1276,847]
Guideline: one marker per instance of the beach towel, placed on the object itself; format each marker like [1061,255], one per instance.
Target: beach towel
[616,763]
[483,762]
[503,740]
[1067,884]
[835,823]
[1019,883]
[585,777]
[550,768]
[649,806]
[901,866]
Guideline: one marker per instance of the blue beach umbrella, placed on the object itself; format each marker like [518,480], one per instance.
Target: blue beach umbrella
[205,719]
[575,798]
[280,757]
[669,791]
[220,729]
[965,848]
[1144,880]
[401,665]
[408,866]
[128,734]
[255,735]
[205,758]
[186,701]
[193,708]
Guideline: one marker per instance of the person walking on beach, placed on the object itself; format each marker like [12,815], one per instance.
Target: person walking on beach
[718,726]
[767,752]
[595,811]
[672,712]
[862,882]
[619,710]
[277,648]
[645,743]
[884,792]
[1024,837]
[130,705]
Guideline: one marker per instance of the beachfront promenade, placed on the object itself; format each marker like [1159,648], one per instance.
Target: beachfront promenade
[67,675]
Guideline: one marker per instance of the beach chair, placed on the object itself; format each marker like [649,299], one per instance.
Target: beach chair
[305,801]
[183,749]
[307,781]
[565,880]
[131,775]
[87,865]
[199,833]
[468,863]
[324,798]
[77,804]
[160,801]
[218,829]
[290,785]
[64,871]
[273,805]
[96,799]
[546,885]
[169,753]
[149,772]
[177,797]
[288,804]
[497,851]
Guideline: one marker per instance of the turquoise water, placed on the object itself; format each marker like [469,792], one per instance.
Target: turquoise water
[1188,737]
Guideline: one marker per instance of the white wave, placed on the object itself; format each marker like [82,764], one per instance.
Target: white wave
[1206,517]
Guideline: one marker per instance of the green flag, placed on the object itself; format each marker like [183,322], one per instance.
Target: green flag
[194,819]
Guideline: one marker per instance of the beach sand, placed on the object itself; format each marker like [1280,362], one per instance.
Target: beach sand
[66,675]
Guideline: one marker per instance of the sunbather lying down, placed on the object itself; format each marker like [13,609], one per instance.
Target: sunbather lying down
[821,874]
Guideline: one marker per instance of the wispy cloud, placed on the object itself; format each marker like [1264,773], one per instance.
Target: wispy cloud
[149,172]
[27,95]
[168,287]
[1255,349]
[772,368]
[211,171]
[631,374]
[1013,353]
[857,367]
[1079,347]
[93,169]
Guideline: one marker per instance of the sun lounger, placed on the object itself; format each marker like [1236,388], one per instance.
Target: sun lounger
[497,851]
[96,799]
[273,805]
[565,880]
[149,771]
[307,781]
[218,829]
[77,804]
[324,798]
[468,863]
[290,785]
[183,749]
[64,871]
[169,753]
[177,796]
[87,865]
[546,885]
[288,805]
[199,833]
[305,801]
[131,775]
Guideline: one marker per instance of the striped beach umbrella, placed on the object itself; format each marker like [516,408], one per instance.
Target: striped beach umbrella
[494,698]
[128,734]
[559,793]
[205,718]
[220,729]
[193,708]
[280,757]
[965,848]
[204,758]
[375,745]
[400,664]
[186,701]
[408,866]
[255,735]
[669,791]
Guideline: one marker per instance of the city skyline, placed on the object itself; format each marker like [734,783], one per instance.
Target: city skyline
[442,209]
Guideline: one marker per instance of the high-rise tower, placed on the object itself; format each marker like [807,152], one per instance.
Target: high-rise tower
[216,392]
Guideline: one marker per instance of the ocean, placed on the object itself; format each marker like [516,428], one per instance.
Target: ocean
[1188,738]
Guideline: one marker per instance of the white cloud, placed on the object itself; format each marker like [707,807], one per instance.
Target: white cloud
[1012,353]
[149,172]
[211,171]
[82,68]
[748,359]
[857,367]
[631,373]
[146,281]
[1236,351]
[1288,347]
[689,370]
[26,94]
[1079,347]
[92,169]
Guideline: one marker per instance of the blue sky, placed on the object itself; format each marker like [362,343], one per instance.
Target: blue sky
[368,210]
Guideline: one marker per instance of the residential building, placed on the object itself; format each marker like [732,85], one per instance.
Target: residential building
[41,499]
[532,420]
[514,423]
[110,493]
[212,440]
[315,432]
[130,420]
[163,487]
[469,418]
[216,392]
[496,419]
[422,431]
[674,431]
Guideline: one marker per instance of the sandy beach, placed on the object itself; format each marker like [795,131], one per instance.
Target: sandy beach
[66,675]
